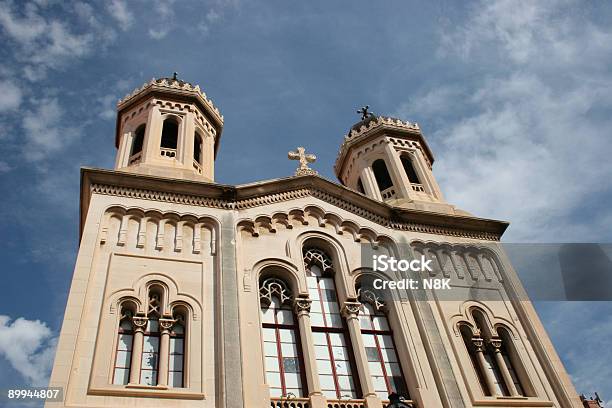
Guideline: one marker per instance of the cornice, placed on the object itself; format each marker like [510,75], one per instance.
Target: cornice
[228,197]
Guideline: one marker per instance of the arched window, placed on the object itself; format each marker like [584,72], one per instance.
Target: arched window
[138,140]
[383,361]
[150,346]
[510,358]
[197,148]
[494,357]
[383,178]
[282,348]
[169,138]
[176,357]
[123,351]
[410,171]
[333,351]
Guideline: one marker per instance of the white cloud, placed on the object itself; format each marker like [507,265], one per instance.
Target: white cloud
[44,131]
[529,149]
[4,167]
[42,43]
[10,96]
[119,11]
[164,21]
[29,346]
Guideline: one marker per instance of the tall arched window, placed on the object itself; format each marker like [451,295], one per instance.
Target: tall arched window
[494,357]
[383,178]
[284,366]
[333,351]
[169,138]
[409,169]
[150,346]
[138,140]
[123,351]
[383,361]
[176,356]
[197,148]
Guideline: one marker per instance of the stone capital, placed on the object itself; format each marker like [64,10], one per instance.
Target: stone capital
[350,310]
[302,306]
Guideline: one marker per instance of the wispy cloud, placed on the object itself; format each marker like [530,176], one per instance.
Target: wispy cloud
[527,148]
[120,12]
[10,96]
[29,346]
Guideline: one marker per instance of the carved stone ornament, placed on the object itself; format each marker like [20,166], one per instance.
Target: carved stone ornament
[140,322]
[351,309]
[496,344]
[302,305]
[166,324]
[304,158]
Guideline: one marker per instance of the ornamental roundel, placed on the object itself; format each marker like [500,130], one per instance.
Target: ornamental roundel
[319,258]
[271,287]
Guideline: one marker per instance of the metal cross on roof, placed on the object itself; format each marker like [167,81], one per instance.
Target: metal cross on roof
[304,159]
[365,113]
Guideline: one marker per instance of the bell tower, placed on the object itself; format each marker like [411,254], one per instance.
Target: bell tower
[168,127]
[388,160]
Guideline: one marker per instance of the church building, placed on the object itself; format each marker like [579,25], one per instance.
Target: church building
[190,293]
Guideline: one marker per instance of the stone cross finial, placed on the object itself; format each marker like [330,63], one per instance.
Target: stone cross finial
[174,76]
[304,160]
[365,113]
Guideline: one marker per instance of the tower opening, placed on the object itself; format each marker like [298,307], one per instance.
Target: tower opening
[138,140]
[169,134]
[197,148]
[410,171]
[383,178]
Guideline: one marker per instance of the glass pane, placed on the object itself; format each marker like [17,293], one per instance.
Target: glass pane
[151,344]
[319,338]
[152,326]
[148,377]
[387,341]
[284,316]
[269,334]
[324,367]
[123,359]
[346,383]
[276,392]
[291,364]
[316,319]
[176,362]
[330,393]
[322,352]
[380,323]
[273,379]
[337,339]
[334,320]
[267,315]
[389,355]
[292,380]
[342,367]
[178,329]
[327,382]
[372,353]
[272,364]
[311,281]
[340,353]
[289,350]
[270,349]
[379,383]
[393,369]
[365,322]
[375,368]
[126,324]
[149,360]
[175,379]
[122,376]
[125,342]
[327,283]
[287,336]
[176,346]
[368,340]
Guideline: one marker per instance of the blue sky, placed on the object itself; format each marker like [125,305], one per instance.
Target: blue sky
[514,98]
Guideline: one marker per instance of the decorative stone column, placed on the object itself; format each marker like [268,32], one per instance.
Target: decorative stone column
[302,310]
[164,349]
[350,310]
[140,322]
[369,183]
[478,343]
[501,362]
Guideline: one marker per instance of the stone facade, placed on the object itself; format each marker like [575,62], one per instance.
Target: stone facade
[180,282]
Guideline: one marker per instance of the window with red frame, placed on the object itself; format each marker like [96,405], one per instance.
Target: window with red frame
[123,352]
[334,354]
[284,363]
[383,362]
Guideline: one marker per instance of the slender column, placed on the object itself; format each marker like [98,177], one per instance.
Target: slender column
[302,310]
[350,310]
[369,183]
[479,345]
[140,322]
[164,347]
[496,343]
[400,179]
